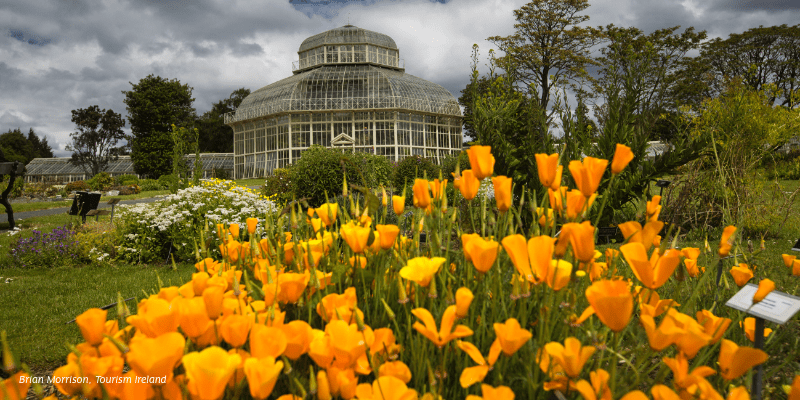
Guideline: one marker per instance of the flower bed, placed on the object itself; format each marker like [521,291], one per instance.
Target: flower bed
[151,231]
[341,305]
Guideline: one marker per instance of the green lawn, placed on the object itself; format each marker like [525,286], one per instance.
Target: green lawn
[36,305]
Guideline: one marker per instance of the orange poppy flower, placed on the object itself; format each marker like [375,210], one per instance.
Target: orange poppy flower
[397,369]
[422,193]
[473,375]
[465,239]
[446,333]
[734,361]
[653,208]
[634,395]
[796,268]
[267,341]
[323,386]
[598,389]
[581,238]
[355,236]
[653,273]
[577,204]
[622,156]
[342,304]
[557,198]
[749,327]
[502,192]
[765,286]
[571,356]
[531,259]
[208,372]
[422,269]
[493,393]
[549,171]
[398,204]
[726,242]
[788,260]
[235,329]
[437,188]
[741,274]
[511,336]
[558,274]
[327,213]
[193,319]
[587,174]
[612,302]
[290,286]
[298,337]
[347,343]
[483,253]
[713,325]
[481,160]
[632,231]
[234,230]
[155,317]
[659,337]
[262,374]
[385,388]
[252,223]
[156,356]
[464,298]
[92,324]
[468,184]
[794,393]
[546,217]
[388,235]
[662,392]
[681,376]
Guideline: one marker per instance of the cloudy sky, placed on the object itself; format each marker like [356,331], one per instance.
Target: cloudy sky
[60,55]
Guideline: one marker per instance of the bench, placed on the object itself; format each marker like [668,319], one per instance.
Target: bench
[83,203]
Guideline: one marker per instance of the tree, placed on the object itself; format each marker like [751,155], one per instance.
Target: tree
[154,104]
[16,146]
[41,148]
[548,49]
[647,65]
[215,136]
[759,56]
[94,143]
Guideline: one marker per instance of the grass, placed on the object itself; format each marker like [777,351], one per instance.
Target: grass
[36,305]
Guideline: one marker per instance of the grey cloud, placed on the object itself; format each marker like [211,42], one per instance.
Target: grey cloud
[770,6]
[9,77]
[246,49]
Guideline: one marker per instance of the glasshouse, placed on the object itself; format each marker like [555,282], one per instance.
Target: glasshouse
[350,91]
[60,170]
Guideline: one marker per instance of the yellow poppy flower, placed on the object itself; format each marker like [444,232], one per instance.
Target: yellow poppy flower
[421,269]
[511,336]
[446,333]
[262,374]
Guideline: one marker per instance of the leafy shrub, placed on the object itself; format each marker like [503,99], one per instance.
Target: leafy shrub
[95,243]
[126,180]
[220,173]
[784,169]
[448,164]
[150,231]
[411,168]
[19,186]
[126,190]
[101,181]
[168,181]
[149,185]
[278,186]
[319,170]
[57,248]
[77,186]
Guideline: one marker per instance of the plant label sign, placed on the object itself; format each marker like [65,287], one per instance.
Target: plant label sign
[796,246]
[777,307]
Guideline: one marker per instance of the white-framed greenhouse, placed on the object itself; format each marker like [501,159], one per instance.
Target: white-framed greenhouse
[350,91]
[60,170]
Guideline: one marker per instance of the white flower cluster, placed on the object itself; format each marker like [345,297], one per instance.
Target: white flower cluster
[486,189]
[177,218]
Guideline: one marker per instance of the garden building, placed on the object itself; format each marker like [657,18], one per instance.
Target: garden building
[348,90]
[60,170]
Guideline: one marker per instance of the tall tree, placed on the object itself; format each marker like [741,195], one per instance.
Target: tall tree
[16,146]
[759,57]
[94,144]
[215,136]
[646,65]
[154,104]
[41,148]
[549,49]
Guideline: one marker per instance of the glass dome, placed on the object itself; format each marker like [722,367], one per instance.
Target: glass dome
[348,90]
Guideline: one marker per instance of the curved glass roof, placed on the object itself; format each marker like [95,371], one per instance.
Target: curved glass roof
[122,165]
[348,87]
[348,34]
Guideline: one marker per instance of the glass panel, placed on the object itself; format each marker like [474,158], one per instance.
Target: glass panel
[332,54]
[322,134]
[430,136]
[260,140]
[363,133]
[300,135]
[346,53]
[417,137]
[404,133]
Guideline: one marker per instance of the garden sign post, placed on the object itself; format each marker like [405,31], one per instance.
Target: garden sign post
[777,307]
